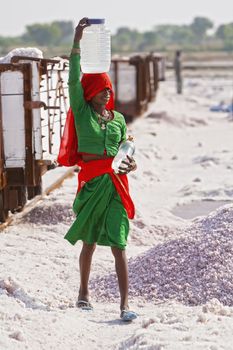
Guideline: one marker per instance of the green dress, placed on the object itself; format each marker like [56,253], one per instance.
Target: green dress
[100,215]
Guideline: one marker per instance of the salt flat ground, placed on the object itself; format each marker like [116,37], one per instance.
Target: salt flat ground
[180,269]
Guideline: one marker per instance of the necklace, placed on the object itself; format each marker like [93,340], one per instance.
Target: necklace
[104,118]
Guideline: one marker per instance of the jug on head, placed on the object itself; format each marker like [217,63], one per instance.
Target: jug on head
[95,47]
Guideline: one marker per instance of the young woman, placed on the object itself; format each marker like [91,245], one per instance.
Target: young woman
[103,204]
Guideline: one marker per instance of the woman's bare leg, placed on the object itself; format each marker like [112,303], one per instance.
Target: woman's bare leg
[85,259]
[121,266]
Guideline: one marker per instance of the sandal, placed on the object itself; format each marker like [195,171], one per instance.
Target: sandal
[128,316]
[84,305]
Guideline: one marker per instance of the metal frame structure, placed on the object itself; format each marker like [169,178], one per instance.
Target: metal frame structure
[19,183]
[147,76]
[43,111]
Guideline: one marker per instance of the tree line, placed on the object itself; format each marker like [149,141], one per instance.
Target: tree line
[200,34]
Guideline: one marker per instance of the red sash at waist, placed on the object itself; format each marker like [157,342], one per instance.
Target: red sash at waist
[94,168]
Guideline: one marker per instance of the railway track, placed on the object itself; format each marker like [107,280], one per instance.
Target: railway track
[16,217]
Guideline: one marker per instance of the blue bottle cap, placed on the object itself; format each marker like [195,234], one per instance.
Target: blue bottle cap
[96,20]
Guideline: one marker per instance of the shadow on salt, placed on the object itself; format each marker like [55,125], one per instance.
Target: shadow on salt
[198,208]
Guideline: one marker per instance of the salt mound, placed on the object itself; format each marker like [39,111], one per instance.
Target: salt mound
[142,340]
[193,269]
[10,288]
[26,52]
[51,214]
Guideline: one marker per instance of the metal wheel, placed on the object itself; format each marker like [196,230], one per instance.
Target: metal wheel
[22,199]
[3,211]
[34,191]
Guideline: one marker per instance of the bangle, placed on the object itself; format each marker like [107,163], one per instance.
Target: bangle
[75,50]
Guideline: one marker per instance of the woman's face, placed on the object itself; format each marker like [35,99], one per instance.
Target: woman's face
[102,97]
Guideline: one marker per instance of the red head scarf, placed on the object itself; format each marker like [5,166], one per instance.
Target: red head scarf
[94,83]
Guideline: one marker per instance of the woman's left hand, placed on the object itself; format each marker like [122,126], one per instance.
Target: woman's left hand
[131,166]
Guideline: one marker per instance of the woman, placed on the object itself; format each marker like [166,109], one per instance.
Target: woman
[103,204]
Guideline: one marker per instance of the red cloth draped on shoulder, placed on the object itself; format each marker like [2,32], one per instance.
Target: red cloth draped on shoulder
[92,84]
[68,154]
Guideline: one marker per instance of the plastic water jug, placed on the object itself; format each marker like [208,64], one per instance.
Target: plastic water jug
[95,47]
[127,148]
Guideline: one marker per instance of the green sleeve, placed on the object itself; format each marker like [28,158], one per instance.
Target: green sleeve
[77,101]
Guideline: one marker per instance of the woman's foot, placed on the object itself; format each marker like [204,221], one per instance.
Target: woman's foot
[127,315]
[83,301]
[84,305]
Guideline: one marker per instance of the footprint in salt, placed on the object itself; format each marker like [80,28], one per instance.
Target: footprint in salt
[139,224]
[17,335]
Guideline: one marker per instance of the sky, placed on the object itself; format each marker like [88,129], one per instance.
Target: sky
[138,14]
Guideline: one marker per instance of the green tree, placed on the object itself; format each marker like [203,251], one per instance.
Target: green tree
[66,29]
[56,36]
[8,43]
[43,34]
[126,40]
[200,25]
[225,33]
[182,35]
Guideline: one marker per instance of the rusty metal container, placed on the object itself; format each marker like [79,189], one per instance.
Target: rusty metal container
[135,80]
[21,126]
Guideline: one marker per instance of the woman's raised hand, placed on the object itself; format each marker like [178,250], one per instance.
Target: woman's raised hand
[83,23]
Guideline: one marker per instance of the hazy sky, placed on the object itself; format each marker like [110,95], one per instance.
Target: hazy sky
[138,14]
